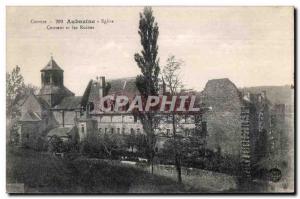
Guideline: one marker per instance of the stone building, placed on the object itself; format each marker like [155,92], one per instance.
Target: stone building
[124,123]
[238,125]
[53,112]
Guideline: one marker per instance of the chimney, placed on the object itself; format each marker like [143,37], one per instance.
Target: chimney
[101,86]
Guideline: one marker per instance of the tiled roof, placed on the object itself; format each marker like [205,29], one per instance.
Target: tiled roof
[50,89]
[72,102]
[20,100]
[43,103]
[30,117]
[124,86]
[60,132]
[52,65]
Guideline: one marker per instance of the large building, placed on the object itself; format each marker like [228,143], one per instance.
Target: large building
[237,125]
[55,111]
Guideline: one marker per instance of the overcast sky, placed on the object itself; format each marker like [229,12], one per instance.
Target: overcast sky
[251,46]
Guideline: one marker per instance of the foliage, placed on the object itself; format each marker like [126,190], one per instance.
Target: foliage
[14,85]
[148,82]
[141,143]
[56,145]
[147,61]
[112,144]
[130,141]
[173,83]
[195,156]
[171,75]
[108,145]
[16,89]
[14,134]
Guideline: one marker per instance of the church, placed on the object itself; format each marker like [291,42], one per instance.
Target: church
[52,112]
[56,111]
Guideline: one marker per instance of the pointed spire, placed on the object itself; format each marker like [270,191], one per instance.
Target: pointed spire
[52,65]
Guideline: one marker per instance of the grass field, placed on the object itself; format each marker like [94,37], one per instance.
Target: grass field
[43,173]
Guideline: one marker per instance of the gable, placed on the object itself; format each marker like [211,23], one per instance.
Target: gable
[30,117]
[31,104]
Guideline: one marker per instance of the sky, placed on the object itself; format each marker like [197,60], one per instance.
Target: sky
[252,46]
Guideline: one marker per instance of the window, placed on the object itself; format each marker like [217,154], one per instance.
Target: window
[105,131]
[138,130]
[112,130]
[123,131]
[47,78]
[100,130]
[118,130]
[82,128]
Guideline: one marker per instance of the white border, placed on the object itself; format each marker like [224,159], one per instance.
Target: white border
[5,3]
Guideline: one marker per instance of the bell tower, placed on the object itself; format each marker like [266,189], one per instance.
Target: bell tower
[52,74]
[53,89]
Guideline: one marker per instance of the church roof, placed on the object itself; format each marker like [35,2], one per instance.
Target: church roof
[30,117]
[69,103]
[51,89]
[52,65]
[21,99]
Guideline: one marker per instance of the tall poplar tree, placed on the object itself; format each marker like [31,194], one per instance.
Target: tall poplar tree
[148,82]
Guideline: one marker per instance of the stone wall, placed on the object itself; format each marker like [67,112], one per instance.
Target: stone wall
[223,120]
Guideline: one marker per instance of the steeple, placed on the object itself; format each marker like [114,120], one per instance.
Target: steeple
[53,89]
[52,65]
[52,74]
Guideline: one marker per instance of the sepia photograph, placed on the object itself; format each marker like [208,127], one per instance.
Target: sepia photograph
[150,100]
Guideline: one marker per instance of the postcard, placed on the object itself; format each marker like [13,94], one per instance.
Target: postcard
[144,100]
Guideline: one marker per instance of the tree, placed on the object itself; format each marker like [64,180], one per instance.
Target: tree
[112,144]
[141,142]
[16,90]
[130,141]
[171,75]
[174,85]
[14,85]
[148,82]
[29,89]
[56,144]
